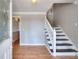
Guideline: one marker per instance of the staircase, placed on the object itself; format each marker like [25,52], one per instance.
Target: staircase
[57,42]
[64,45]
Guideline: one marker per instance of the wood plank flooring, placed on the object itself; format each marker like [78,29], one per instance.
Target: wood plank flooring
[33,52]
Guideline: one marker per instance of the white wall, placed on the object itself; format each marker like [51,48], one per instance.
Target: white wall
[66,16]
[31,29]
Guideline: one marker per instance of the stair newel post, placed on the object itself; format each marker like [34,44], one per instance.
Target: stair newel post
[54,41]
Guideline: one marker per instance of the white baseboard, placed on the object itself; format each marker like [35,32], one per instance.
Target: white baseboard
[32,44]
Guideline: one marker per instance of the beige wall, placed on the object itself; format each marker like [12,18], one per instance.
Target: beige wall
[66,16]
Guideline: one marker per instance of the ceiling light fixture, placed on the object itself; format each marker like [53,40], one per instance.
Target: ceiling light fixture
[34,1]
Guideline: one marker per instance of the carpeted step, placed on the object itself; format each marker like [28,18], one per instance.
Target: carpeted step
[64,44]
[63,39]
[65,50]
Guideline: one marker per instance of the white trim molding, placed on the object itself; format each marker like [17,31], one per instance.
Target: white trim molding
[67,54]
[29,13]
[22,44]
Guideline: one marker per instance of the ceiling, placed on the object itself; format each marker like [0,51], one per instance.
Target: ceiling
[27,6]
[41,6]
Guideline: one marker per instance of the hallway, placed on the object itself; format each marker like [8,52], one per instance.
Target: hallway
[33,52]
[30,52]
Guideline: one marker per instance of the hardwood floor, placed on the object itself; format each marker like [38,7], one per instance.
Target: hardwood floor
[33,52]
